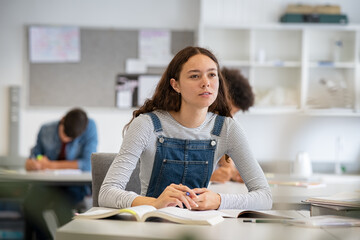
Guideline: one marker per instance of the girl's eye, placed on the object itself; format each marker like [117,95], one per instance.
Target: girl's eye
[212,74]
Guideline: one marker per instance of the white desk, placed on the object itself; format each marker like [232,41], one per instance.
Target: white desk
[229,229]
[45,177]
[290,197]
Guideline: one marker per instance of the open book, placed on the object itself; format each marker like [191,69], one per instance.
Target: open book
[149,213]
[344,199]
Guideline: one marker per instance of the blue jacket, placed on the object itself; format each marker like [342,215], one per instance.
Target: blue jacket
[49,144]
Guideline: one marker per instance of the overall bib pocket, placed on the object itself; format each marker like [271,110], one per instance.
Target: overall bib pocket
[189,173]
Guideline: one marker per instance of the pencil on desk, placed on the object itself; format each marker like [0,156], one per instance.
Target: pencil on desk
[264,220]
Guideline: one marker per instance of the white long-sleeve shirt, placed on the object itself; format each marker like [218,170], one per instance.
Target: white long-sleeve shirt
[140,143]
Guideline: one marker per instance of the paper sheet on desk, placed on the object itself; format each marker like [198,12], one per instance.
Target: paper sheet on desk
[64,171]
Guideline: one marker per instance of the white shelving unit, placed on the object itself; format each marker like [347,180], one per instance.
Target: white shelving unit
[293,68]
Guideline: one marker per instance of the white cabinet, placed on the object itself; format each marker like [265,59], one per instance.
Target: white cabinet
[332,63]
[293,68]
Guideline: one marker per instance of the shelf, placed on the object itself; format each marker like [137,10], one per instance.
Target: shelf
[301,65]
[235,63]
[240,63]
[274,110]
[336,112]
[341,112]
[277,64]
[283,26]
[329,64]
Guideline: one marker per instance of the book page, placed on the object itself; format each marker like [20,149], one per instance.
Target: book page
[100,212]
[185,216]
[103,212]
[138,211]
[188,214]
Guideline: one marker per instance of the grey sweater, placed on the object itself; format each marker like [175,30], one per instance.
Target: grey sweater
[140,144]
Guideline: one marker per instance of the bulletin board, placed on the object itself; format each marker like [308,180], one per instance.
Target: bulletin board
[90,82]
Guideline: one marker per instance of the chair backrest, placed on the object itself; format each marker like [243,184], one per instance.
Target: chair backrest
[100,163]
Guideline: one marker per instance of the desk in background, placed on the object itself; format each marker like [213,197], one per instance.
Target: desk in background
[48,177]
[290,197]
[284,197]
[14,186]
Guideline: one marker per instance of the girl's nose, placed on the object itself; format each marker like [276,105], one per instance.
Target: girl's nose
[205,83]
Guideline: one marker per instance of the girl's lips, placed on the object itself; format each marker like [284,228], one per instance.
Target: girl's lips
[205,93]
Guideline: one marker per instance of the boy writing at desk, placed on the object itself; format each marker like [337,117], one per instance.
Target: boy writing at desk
[64,144]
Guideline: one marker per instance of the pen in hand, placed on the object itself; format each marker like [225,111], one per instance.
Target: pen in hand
[34,163]
[38,157]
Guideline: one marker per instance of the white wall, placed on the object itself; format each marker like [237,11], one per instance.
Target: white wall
[277,137]
[281,137]
[15,14]
[245,12]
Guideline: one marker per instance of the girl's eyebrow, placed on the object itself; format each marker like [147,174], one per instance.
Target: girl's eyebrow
[195,70]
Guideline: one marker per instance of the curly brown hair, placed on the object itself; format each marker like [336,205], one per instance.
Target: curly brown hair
[240,91]
[167,99]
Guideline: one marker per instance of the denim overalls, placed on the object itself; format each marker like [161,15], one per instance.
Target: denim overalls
[189,162]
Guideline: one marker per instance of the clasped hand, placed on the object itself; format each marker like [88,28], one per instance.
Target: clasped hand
[196,199]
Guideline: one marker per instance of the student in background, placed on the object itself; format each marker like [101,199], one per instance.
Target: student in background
[179,135]
[64,144]
[241,99]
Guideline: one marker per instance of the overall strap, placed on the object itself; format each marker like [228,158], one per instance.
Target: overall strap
[219,121]
[156,121]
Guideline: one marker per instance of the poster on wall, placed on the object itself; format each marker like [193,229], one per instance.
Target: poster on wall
[155,46]
[54,44]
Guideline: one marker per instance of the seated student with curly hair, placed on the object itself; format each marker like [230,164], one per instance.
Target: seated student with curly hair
[241,99]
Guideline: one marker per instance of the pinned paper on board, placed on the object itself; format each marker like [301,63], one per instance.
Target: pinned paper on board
[155,45]
[133,65]
[54,44]
[146,87]
[132,90]
[125,88]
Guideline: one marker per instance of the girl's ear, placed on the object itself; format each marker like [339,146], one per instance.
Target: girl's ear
[175,85]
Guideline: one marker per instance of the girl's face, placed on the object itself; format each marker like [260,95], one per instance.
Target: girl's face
[198,83]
